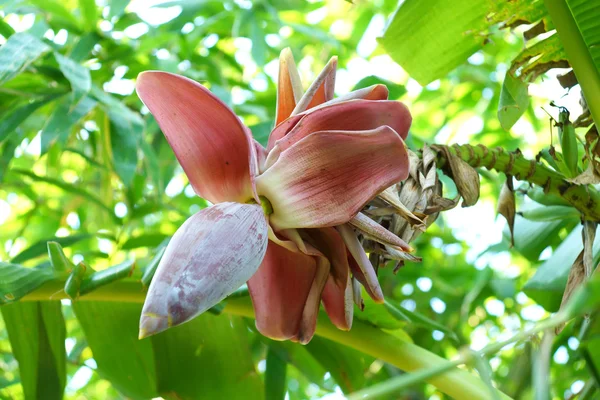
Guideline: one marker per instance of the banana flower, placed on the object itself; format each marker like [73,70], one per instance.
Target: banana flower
[285,219]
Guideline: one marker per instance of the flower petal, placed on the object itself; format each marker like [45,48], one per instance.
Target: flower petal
[321,90]
[203,263]
[326,178]
[308,324]
[359,263]
[289,86]
[353,115]
[282,129]
[356,293]
[337,295]
[208,139]
[261,157]
[375,92]
[377,232]
[279,290]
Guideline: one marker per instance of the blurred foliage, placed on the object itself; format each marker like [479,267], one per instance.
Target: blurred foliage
[84,164]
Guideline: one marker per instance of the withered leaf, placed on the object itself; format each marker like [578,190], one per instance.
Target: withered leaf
[507,207]
[390,196]
[582,268]
[587,177]
[576,278]
[465,177]
[589,234]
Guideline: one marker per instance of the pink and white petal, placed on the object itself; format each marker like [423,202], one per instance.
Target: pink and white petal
[329,243]
[308,324]
[282,129]
[321,90]
[283,241]
[356,294]
[361,281]
[326,178]
[204,263]
[375,92]
[289,86]
[294,236]
[280,289]
[377,232]
[353,115]
[210,142]
[261,157]
[338,303]
[337,295]
[362,268]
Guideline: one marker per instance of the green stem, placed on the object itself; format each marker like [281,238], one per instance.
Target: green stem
[363,337]
[406,356]
[394,384]
[583,197]
[578,54]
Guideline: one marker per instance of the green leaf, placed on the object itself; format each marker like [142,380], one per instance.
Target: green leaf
[7,152]
[346,366]
[41,247]
[67,113]
[5,29]
[415,318]
[396,90]
[17,281]
[209,344]
[37,336]
[514,101]
[126,130]
[111,330]
[275,376]
[148,240]
[429,38]
[117,8]
[534,60]
[298,356]
[548,283]
[20,50]
[587,16]
[152,164]
[66,187]
[84,46]
[257,35]
[78,75]
[590,346]
[153,265]
[532,237]
[56,9]
[89,12]
[58,259]
[125,135]
[577,23]
[15,117]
